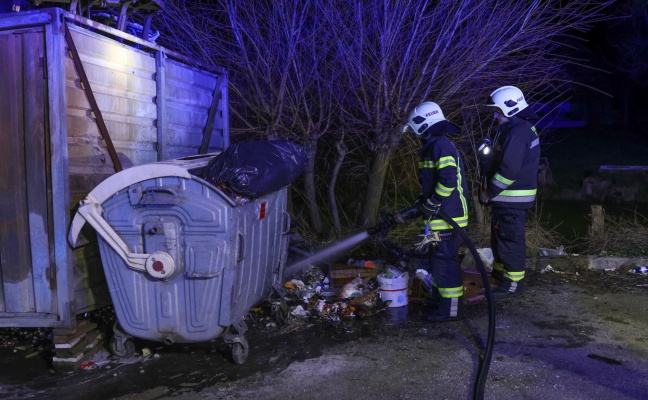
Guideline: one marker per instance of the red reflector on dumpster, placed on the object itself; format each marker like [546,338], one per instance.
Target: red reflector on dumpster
[158,266]
[262,211]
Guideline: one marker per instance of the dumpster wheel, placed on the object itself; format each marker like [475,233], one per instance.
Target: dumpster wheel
[240,351]
[238,346]
[127,349]
[121,344]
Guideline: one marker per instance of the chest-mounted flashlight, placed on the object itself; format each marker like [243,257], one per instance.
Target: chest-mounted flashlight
[485,147]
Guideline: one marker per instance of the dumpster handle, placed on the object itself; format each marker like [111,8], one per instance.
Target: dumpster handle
[286,228]
[122,180]
[90,210]
[159,264]
[241,248]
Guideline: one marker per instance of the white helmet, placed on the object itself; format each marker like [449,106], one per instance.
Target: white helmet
[509,99]
[422,117]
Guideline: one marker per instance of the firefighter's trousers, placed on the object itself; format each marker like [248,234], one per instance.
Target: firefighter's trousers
[508,244]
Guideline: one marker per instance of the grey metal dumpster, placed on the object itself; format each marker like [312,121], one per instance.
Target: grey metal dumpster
[183,260]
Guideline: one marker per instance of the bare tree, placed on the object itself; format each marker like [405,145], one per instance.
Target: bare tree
[627,35]
[300,69]
[396,54]
[279,81]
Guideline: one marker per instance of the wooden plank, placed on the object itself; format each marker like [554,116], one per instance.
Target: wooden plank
[36,172]
[224,116]
[209,126]
[24,19]
[597,229]
[342,274]
[143,43]
[104,52]
[66,335]
[123,84]
[190,95]
[160,101]
[7,198]
[63,282]
[91,99]
[14,236]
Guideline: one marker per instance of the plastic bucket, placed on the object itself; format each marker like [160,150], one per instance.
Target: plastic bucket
[394,289]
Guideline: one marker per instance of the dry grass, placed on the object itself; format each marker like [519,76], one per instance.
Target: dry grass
[539,234]
[623,236]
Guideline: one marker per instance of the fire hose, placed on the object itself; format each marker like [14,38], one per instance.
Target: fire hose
[484,361]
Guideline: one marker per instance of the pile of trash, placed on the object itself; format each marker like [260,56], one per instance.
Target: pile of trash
[312,297]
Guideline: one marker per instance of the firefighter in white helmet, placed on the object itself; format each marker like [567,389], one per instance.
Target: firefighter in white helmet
[511,187]
[441,174]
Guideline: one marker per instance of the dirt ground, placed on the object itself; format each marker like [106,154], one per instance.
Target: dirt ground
[575,335]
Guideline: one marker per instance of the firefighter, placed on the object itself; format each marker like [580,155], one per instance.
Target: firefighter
[441,174]
[511,187]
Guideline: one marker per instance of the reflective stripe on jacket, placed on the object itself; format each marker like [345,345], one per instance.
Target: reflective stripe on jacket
[515,182]
[441,173]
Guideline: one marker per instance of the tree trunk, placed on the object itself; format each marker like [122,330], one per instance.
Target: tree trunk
[309,186]
[371,204]
[342,151]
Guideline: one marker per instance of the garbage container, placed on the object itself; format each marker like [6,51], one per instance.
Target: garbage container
[183,259]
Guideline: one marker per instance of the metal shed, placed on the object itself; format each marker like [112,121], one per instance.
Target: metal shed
[79,101]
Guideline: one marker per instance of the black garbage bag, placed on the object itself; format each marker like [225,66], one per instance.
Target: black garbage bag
[254,169]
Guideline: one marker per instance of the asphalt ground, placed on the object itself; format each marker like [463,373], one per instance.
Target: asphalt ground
[573,335]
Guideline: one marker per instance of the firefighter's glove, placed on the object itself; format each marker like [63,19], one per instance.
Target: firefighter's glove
[424,242]
[406,215]
[429,208]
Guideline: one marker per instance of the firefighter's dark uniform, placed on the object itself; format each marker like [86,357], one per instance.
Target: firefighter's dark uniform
[512,188]
[441,173]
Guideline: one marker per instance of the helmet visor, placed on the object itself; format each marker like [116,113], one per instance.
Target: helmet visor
[408,129]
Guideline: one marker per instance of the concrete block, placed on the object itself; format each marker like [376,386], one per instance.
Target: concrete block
[613,263]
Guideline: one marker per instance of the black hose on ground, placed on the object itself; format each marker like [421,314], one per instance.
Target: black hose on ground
[485,359]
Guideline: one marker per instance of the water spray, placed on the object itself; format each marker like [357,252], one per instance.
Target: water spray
[336,248]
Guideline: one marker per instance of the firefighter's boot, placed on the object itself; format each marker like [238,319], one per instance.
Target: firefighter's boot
[508,288]
[450,309]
